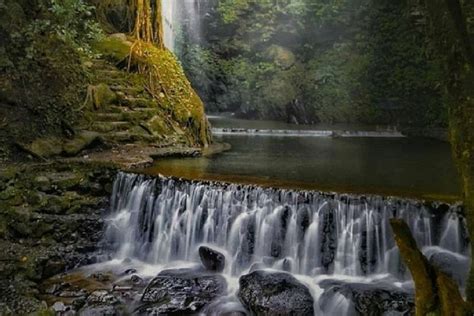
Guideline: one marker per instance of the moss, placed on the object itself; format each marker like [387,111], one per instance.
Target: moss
[172,90]
[114,48]
[82,141]
[100,96]
[46,147]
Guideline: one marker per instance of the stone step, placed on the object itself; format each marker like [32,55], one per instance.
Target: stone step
[108,117]
[137,102]
[105,127]
[126,114]
[128,90]
[131,137]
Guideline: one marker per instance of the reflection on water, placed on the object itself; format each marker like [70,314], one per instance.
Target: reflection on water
[399,166]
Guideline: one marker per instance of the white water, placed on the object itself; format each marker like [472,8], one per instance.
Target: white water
[169,20]
[312,235]
[181,15]
[305,133]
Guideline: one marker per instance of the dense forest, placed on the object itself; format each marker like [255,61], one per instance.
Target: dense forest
[318,61]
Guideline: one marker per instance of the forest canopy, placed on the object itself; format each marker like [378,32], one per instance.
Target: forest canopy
[331,61]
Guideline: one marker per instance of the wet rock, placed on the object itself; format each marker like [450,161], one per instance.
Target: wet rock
[212,259]
[136,280]
[257,266]
[275,293]
[99,310]
[100,303]
[59,307]
[369,298]
[101,277]
[328,239]
[42,183]
[454,265]
[130,271]
[101,297]
[181,291]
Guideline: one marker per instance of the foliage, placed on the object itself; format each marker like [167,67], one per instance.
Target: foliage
[41,76]
[351,61]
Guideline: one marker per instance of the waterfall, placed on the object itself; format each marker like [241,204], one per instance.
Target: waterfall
[184,16]
[162,220]
[169,16]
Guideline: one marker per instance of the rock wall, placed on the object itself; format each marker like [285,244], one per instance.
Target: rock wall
[51,220]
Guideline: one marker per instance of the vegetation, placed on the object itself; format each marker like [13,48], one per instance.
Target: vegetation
[451,28]
[52,54]
[336,51]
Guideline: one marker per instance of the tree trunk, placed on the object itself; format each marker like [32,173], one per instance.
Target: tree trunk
[436,293]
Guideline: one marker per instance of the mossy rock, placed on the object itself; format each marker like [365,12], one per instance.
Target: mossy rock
[55,146]
[45,147]
[158,125]
[114,47]
[42,183]
[82,141]
[101,96]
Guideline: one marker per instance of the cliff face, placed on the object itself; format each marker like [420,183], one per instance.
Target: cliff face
[66,85]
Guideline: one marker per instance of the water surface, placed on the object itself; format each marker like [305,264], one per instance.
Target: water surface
[418,167]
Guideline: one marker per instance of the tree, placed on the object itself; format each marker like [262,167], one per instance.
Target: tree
[149,22]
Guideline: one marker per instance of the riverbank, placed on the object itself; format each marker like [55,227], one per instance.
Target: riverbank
[52,215]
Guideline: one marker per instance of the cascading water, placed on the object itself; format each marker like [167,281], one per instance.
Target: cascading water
[169,26]
[187,18]
[163,220]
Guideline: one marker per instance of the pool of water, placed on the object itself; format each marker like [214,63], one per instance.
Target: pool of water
[414,167]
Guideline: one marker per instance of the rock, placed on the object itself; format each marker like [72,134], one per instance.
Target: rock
[44,147]
[114,48]
[120,36]
[274,293]
[130,271]
[370,298]
[59,307]
[181,291]
[136,280]
[83,140]
[212,259]
[42,183]
[329,238]
[101,297]
[100,303]
[454,265]
[100,310]
[55,146]
[101,277]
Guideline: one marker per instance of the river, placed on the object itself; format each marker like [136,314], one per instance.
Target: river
[404,166]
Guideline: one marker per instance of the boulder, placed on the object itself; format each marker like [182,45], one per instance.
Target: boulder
[81,141]
[454,265]
[55,146]
[181,291]
[42,183]
[274,293]
[212,259]
[100,303]
[379,298]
